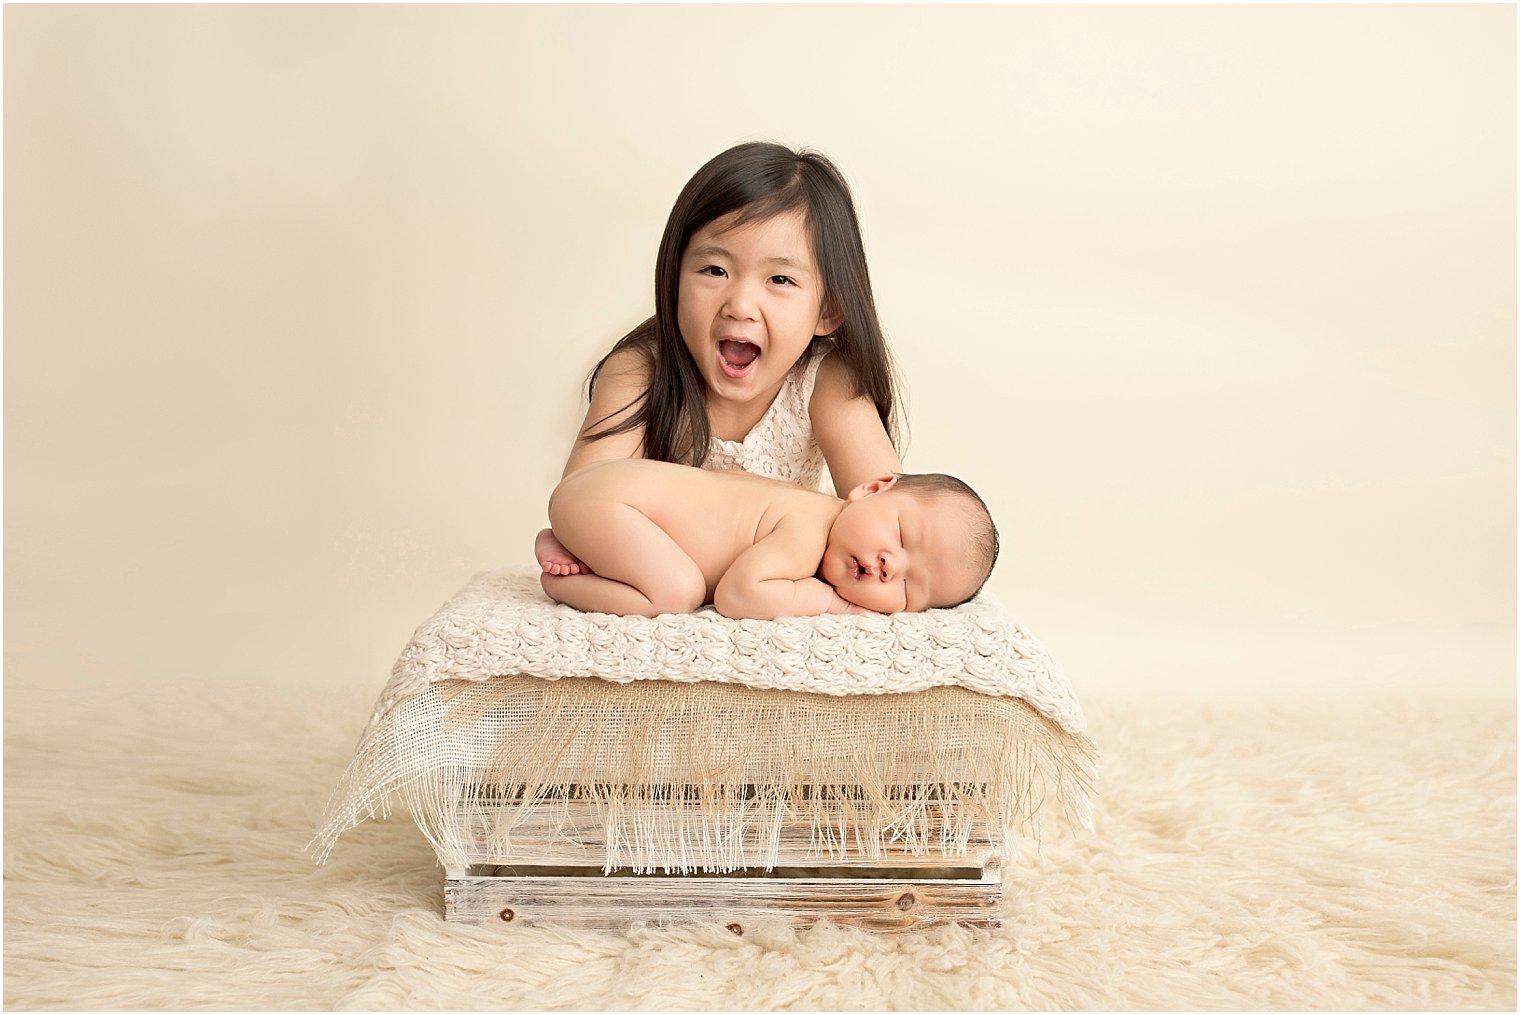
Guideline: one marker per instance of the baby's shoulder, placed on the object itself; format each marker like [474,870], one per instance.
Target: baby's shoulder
[805,509]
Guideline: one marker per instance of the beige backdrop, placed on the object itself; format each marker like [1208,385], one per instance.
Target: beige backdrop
[1216,305]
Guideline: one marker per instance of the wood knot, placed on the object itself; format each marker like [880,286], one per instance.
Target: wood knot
[735,929]
[906,900]
[507,916]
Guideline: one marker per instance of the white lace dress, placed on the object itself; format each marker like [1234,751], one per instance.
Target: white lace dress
[781,445]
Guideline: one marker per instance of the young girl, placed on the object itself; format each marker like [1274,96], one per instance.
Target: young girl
[764,352]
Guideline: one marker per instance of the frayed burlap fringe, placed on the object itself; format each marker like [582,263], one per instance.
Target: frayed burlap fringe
[703,776]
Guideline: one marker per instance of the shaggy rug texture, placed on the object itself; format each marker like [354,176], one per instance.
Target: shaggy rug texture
[1304,854]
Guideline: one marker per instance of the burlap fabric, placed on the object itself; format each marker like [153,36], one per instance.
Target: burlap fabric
[488,719]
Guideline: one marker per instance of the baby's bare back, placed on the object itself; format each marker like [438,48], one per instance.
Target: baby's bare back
[712,516]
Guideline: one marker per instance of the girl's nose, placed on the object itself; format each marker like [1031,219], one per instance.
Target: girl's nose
[740,304]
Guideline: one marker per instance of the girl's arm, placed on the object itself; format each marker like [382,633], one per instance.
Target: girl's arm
[623,378]
[848,430]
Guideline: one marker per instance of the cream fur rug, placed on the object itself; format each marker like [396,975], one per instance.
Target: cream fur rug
[1250,855]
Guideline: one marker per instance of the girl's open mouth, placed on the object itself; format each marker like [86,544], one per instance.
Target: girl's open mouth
[737,358]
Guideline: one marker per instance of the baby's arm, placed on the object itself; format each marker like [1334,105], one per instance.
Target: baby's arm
[848,430]
[774,578]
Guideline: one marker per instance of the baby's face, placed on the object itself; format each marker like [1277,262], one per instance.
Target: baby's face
[892,550]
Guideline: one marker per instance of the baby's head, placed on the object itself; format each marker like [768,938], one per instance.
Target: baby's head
[910,542]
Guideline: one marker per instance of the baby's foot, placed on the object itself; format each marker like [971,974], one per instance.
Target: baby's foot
[554,558]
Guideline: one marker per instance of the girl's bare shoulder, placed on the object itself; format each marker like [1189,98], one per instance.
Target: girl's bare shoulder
[620,384]
[631,360]
[834,382]
[623,376]
[836,400]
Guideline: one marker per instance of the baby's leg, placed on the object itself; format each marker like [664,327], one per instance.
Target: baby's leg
[639,569]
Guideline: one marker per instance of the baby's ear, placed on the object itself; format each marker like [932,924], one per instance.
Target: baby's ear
[869,487]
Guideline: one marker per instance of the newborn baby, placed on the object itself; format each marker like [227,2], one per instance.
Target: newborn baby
[655,538]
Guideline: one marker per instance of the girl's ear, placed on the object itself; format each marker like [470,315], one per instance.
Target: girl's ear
[869,487]
[829,318]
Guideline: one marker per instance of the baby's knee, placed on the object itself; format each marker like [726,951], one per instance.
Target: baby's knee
[677,593]
[576,511]
[558,499]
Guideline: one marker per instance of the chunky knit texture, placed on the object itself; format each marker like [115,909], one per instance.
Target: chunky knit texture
[502,623]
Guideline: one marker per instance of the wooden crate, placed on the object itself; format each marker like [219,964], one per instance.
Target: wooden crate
[550,871]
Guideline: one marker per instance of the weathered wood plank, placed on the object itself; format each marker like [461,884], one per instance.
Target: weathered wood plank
[614,903]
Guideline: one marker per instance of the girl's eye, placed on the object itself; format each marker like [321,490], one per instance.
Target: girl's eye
[712,270]
[782,280]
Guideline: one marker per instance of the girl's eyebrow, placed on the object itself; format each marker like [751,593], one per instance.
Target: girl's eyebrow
[712,250]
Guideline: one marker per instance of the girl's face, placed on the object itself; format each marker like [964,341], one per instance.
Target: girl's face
[750,301]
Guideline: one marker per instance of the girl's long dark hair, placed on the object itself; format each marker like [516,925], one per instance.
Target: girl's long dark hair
[757,180]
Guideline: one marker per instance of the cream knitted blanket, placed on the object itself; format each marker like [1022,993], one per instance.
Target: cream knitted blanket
[502,623]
